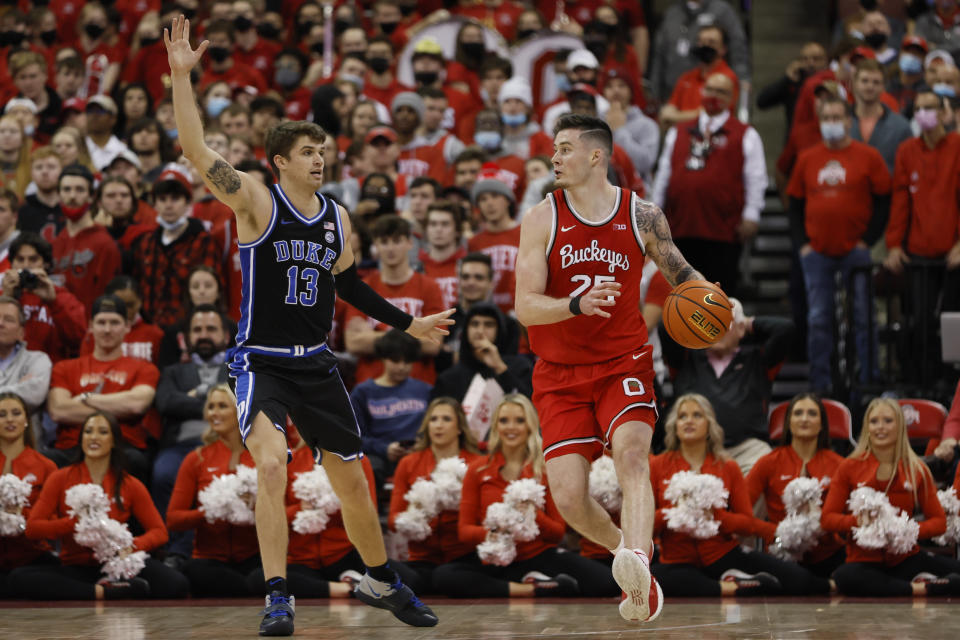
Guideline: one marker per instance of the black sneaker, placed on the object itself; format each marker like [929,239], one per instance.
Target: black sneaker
[753,584]
[947,585]
[397,598]
[131,588]
[277,615]
[559,586]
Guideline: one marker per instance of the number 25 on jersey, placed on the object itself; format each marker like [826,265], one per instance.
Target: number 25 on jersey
[585,282]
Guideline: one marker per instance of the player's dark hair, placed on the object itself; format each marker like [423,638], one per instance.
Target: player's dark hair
[281,138]
[476,256]
[593,131]
[823,438]
[397,346]
[35,240]
[390,226]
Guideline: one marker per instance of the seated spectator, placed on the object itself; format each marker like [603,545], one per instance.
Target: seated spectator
[40,211]
[423,192]
[907,81]
[484,352]
[15,149]
[400,285]
[223,65]
[500,237]
[488,135]
[389,408]
[381,84]
[443,434]
[105,380]
[319,565]
[710,52]
[85,255]
[737,378]
[429,68]
[582,68]
[522,136]
[102,144]
[540,569]
[203,288]
[162,259]
[29,72]
[444,249]
[224,554]
[117,205]
[143,339]
[9,205]
[23,372]
[804,453]
[152,146]
[69,143]
[69,77]
[56,320]
[716,565]
[19,457]
[433,131]
[78,575]
[938,27]
[884,461]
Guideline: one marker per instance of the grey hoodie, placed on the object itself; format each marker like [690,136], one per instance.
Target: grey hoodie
[28,375]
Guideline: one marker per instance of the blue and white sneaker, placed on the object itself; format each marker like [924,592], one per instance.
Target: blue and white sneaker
[397,598]
[278,615]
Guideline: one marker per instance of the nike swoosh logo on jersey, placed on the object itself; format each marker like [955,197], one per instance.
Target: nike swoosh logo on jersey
[637,356]
[568,228]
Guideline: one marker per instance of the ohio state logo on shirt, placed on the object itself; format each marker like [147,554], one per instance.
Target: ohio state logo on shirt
[832,174]
[593,253]
[413,167]
[96,378]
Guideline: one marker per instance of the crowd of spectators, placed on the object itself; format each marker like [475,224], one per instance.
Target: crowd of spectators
[121,274]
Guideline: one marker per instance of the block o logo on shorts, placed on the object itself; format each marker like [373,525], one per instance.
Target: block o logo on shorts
[633,387]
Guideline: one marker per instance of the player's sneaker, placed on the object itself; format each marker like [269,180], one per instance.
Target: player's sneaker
[397,598]
[277,615]
[642,598]
[559,586]
[753,584]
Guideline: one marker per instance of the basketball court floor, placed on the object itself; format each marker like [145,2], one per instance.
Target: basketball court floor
[574,619]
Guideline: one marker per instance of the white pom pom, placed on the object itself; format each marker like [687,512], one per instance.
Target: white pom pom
[951,506]
[525,491]
[527,529]
[230,497]
[498,549]
[125,567]
[889,528]
[310,521]
[313,488]
[902,532]
[413,524]
[502,517]
[801,493]
[448,476]
[86,500]
[12,524]
[695,496]
[798,534]
[423,495]
[604,486]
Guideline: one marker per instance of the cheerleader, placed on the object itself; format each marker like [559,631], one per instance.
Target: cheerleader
[539,567]
[18,457]
[78,574]
[709,561]
[803,453]
[443,434]
[224,554]
[884,461]
[321,565]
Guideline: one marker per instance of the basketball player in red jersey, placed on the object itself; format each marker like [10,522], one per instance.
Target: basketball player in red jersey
[579,269]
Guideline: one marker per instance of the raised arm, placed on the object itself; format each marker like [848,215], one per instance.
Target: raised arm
[248,198]
[533,306]
[655,232]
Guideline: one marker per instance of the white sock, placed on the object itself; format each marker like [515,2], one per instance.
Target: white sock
[619,546]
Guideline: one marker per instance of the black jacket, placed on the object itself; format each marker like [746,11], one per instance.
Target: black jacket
[174,403]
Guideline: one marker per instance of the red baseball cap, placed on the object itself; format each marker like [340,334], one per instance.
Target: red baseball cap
[75,104]
[915,41]
[862,52]
[173,172]
[380,132]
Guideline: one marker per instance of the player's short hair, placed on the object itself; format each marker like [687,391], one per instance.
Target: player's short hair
[281,138]
[476,256]
[593,131]
[390,226]
[397,346]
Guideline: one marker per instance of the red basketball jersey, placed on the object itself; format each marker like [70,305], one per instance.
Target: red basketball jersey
[581,254]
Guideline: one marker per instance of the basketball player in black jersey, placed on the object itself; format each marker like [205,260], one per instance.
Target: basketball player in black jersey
[296,257]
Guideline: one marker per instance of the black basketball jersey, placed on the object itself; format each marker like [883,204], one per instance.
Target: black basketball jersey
[288,285]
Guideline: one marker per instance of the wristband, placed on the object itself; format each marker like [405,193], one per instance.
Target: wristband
[575,305]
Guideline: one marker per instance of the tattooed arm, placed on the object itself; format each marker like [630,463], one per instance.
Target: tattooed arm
[655,233]
[248,197]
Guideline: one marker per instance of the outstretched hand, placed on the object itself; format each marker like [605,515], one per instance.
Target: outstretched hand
[432,328]
[181,56]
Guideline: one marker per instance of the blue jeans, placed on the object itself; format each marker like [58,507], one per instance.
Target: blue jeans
[819,273]
[165,469]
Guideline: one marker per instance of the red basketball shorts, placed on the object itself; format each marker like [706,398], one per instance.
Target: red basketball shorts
[580,406]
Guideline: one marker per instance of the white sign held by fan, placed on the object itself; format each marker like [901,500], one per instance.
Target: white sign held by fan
[481,399]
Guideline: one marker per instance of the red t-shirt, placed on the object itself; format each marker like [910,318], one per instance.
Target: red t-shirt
[443,544]
[237,76]
[297,103]
[318,550]
[444,274]
[503,17]
[56,328]
[86,262]
[386,94]
[221,540]
[502,247]
[142,342]
[149,65]
[260,57]
[419,296]
[16,551]
[838,185]
[482,486]
[854,473]
[87,374]
[49,520]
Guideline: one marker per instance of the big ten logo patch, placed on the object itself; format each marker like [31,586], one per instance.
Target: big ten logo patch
[705,325]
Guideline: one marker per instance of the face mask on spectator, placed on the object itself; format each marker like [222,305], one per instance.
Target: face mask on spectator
[910,63]
[426,78]
[875,40]
[287,77]
[268,30]
[171,133]
[74,213]
[242,23]
[317,48]
[474,49]
[170,226]
[378,64]
[712,105]
[525,33]
[388,27]
[832,131]
[489,140]
[927,119]
[216,105]
[50,36]
[303,28]
[144,42]
[704,54]
[94,30]
[562,82]
[597,46]
[339,26]
[219,54]
[11,38]
[357,80]
[513,119]
[944,90]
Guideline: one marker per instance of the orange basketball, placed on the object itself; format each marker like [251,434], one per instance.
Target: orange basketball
[697,314]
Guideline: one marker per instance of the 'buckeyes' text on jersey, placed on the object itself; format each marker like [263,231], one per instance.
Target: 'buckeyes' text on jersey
[580,255]
[288,285]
